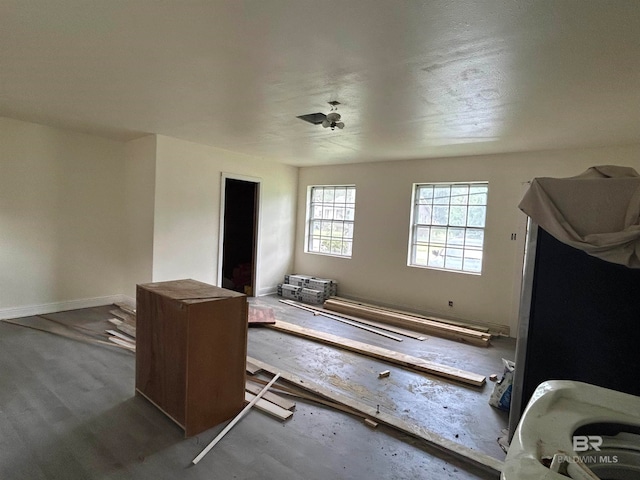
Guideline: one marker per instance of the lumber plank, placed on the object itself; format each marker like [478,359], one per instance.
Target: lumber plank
[122,336]
[433,439]
[409,317]
[281,389]
[126,308]
[123,343]
[397,358]
[284,403]
[344,320]
[62,332]
[372,323]
[252,369]
[471,326]
[128,329]
[268,407]
[450,332]
[124,316]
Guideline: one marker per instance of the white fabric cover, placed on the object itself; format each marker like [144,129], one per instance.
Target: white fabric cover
[597,211]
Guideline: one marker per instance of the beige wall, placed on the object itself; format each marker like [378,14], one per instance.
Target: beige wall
[378,270]
[139,195]
[61,216]
[187,212]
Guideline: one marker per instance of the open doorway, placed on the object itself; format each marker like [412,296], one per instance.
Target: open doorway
[239,233]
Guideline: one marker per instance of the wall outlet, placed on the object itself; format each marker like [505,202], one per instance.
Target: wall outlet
[451,303]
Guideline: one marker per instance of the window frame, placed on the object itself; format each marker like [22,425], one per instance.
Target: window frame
[310,234]
[453,233]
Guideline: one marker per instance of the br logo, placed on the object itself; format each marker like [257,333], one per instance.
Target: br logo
[582,443]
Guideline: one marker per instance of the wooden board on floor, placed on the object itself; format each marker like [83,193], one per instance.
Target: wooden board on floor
[268,407]
[252,369]
[124,316]
[271,397]
[259,316]
[128,329]
[479,328]
[433,439]
[397,358]
[343,320]
[430,327]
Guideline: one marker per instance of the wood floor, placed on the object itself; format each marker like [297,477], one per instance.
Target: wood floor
[68,411]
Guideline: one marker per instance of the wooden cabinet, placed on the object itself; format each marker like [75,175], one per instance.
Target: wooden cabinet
[191,348]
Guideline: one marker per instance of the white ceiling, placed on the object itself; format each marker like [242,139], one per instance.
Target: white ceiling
[416,79]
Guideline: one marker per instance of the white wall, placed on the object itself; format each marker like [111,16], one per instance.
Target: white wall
[139,195]
[378,270]
[187,212]
[61,217]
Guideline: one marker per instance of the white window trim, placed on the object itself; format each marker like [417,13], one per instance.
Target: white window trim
[307,228]
[412,226]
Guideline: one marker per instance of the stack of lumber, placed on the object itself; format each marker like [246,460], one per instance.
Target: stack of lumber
[428,325]
[124,321]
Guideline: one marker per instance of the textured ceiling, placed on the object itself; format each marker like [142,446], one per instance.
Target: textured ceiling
[415,79]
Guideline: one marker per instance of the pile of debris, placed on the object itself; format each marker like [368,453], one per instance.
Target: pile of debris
[125,322]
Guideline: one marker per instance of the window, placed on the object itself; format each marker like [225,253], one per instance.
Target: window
[447,229]
[330,227]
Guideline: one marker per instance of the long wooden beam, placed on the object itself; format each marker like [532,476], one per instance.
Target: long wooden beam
[343,320]
[430,327]
[471,326]
[397,358]
[372,323]
[433,439]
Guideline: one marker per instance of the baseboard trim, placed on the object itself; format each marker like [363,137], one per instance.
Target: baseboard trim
[263,292]
[30,310]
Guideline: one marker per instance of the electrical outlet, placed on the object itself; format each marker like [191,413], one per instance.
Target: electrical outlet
[451,303]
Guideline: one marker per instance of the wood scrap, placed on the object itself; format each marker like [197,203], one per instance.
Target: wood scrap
[125,317]
[123,343]
[269,407]
[281,389]
[370,423]
[397,358]
[63,332]
[430,327]
[466,454]
[259,316]
[344,320]
[271,397]
[115,321]
[128,329]
[126,308]
[252,369]
[121,336]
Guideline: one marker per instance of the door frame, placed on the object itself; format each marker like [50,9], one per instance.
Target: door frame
[256,226]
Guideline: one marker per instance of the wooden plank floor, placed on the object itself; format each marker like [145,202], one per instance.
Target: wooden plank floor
[68,411]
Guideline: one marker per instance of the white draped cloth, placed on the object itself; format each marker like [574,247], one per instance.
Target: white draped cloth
[597,211]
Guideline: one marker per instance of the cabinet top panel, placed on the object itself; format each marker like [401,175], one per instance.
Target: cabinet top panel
[189,291]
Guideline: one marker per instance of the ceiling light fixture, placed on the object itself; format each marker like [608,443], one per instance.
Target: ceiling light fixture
[333,117]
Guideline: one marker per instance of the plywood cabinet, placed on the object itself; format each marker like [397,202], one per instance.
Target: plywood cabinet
[191,349]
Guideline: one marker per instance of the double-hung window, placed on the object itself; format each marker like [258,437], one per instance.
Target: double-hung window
[330,214]
[447,228]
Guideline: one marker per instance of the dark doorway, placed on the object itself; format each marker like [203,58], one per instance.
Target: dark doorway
[239,235]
